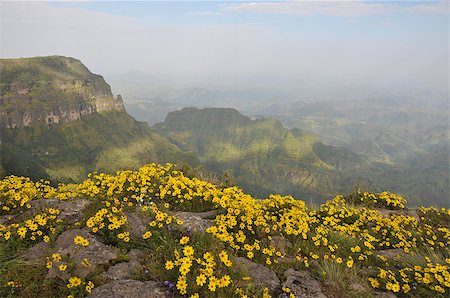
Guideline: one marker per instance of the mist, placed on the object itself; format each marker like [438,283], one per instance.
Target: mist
[309,50]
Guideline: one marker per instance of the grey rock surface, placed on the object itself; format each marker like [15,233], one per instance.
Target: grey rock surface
[261,276]
[129,289]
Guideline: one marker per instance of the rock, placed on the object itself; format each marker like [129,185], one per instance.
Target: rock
[357,288]
[125,270]
[136,223]
[379,294]
[261,276]
[280,243]
[303,284]
[37,252]
[197,222]
[6,220]
[126,288]
[135,254]
[96,253]
[388,213]
[390,253]
[71,211]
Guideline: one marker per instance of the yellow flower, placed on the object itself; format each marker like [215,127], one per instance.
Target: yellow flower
[85,263]
[286,290]
[56,257]
[62,267]
[169,265]
[374,282]
[22,232]
[184,240]
[200,279]
[147,235]
[406,288]
[188,251]
[395,287]
[74,282]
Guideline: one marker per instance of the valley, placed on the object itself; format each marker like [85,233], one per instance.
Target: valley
[63,122]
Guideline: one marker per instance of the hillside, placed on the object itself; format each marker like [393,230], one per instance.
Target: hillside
[261,155]
[49,90]
[158,232]
[407,138]
[60,121]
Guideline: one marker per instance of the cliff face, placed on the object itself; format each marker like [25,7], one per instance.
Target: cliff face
[51,90]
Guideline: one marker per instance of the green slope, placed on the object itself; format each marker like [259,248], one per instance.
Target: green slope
[406,140]
[100,141]
[263,156]
[89,129]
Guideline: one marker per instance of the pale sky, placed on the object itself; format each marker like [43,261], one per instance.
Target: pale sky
[383,44]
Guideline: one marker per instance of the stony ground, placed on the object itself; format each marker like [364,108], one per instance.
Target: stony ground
[158,233]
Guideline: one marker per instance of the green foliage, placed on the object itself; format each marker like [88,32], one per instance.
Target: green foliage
[100,141]
[260,155]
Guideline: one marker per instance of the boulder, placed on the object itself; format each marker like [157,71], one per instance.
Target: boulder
[6,220]
[390,253]
[261,276]
[303,284]
[96,253]
[379,294]
[126,288]
[71,211]
[280,243]
[136,223]
[37,252]
[196,222]
[125,270]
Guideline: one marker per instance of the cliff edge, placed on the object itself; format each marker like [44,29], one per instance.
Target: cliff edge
[53,89]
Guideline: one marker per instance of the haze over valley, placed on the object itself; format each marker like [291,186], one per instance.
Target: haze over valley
[202,149]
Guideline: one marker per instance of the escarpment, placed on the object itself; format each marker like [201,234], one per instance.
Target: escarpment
[49,90]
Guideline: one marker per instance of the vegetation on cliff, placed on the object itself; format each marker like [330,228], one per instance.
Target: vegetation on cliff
[67,152]
[262,155]
[49,90]
[69,240]
[59,122]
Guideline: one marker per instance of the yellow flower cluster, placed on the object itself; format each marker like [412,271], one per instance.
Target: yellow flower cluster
[16,193]
[348,231]
[80,240]
[248,224]
[107,219]
[434,277]
[434,216]
[128,186]
[89,287]
[384,199]
[39,227]
[199,273]
[13,284]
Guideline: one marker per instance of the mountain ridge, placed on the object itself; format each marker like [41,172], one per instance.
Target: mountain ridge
[261,153]
[54,89]
[60,122]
